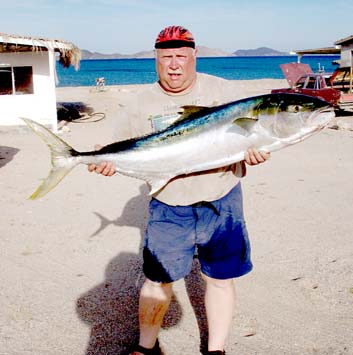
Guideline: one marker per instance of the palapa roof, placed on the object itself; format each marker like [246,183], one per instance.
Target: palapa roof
[345,40]
[326,50]
[69,53]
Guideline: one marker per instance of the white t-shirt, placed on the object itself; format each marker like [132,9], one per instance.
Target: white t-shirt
[152,109]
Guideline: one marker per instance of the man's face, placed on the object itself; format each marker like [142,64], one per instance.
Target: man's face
[176,68]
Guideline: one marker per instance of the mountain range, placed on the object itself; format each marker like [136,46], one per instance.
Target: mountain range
[202,52]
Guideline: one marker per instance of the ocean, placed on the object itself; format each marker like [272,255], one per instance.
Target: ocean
[142,71]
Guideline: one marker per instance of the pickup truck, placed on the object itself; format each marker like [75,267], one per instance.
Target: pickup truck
[335,88]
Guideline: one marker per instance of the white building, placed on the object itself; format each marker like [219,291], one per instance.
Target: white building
[346,45]
[28,77]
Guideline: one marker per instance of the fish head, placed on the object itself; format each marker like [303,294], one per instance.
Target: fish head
[292,116]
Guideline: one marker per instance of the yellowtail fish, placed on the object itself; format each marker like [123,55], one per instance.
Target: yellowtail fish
[202,138]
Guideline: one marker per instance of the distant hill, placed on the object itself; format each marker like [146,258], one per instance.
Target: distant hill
[262,51]
[85,54]
[211,52]
[202,52]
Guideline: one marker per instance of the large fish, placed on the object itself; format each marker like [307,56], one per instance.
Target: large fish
[202,138]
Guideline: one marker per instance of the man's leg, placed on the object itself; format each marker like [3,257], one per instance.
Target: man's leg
[219,303]
[154,302]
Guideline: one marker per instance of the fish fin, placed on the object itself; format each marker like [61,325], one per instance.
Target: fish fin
[61,158]
[55,176]
[246,123]
[193,111]
[156,185]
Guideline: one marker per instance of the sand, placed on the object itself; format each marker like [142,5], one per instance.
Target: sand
[71,261]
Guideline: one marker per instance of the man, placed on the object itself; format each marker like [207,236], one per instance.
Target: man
[200,211]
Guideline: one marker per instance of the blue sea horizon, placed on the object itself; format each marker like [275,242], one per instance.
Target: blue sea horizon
[142,70]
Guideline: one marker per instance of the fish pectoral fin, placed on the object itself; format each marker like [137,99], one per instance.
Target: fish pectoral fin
[246,123]
[243,126]
[157,184]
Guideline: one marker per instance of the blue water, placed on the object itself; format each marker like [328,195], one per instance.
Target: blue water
[142,71]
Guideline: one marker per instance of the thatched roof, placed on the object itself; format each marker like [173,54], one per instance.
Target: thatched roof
[69,53]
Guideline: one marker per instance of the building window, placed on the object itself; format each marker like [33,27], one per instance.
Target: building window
[5,81]
[16,80]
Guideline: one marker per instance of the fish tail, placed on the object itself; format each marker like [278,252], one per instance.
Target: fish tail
[62,158]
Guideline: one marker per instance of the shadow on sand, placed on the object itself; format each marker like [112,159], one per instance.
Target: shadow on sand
[7,154]
[111,308]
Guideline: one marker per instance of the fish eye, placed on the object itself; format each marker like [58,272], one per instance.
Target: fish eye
[294,108]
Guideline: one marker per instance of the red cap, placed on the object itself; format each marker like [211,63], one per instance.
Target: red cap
[175,37]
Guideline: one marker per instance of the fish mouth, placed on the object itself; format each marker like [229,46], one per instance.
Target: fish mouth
[325,109]
[304,127]
[319,119]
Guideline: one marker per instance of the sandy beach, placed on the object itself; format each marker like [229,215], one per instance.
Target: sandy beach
[71,261]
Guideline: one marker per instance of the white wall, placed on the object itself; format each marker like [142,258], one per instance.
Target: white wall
[39,106]
[346,55]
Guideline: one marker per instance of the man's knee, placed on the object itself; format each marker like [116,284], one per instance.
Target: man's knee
[219,283]
[159,285]
[156,289]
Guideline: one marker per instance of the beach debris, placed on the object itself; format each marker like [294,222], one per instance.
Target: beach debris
[342,123]
[68,111]
[76,112]
[248,334]
[90,118]
[296,278]
[202,138]
[249,329]
[345,123]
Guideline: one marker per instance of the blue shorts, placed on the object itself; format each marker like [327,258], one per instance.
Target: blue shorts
[215,230]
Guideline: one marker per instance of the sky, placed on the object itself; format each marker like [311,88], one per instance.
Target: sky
[131,26]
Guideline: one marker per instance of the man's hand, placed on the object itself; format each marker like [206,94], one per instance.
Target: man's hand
[254,157]
[105,168]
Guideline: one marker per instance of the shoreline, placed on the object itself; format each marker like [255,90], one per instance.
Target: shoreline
[244,87]
[118,85]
